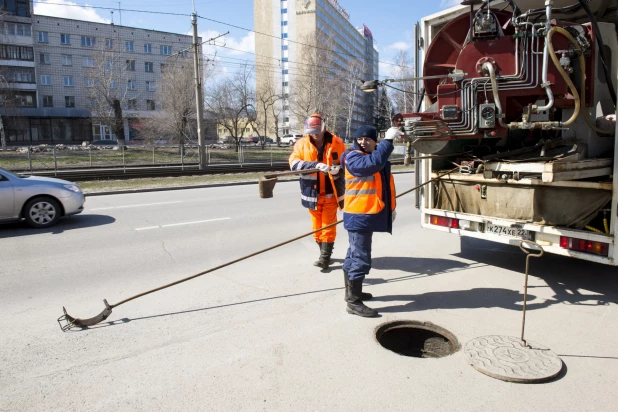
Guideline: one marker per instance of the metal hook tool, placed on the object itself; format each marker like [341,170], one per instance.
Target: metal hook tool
[529,254]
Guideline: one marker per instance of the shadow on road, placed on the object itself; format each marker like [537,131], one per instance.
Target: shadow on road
[11,230]
[460,299]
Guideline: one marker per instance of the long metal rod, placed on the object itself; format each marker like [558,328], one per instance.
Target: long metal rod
[71,321]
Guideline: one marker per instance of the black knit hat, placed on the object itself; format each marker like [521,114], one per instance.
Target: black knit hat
[366,131]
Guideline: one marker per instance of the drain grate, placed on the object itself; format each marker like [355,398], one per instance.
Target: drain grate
[416,339]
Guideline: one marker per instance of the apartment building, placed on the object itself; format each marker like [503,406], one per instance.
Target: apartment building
[286,25]
[48,65]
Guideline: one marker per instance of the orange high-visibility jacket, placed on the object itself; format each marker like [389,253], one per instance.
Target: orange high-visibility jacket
[305,156]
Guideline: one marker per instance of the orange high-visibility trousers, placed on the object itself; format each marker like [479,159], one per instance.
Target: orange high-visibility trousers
[324,215]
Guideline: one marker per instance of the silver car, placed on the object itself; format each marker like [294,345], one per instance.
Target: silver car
[40,201]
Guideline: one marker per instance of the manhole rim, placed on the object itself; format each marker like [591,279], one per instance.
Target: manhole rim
[417,324]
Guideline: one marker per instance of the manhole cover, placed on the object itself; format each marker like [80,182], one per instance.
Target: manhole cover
[416,339]
[503,357]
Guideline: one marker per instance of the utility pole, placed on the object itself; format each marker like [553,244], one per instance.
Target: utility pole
[198,92]
[119,11]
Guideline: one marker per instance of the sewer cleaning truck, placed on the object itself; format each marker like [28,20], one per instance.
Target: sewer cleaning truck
[518,117]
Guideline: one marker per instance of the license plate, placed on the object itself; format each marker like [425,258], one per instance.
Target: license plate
[508,231]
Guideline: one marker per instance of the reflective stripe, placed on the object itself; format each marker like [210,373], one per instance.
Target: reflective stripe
[297,165]
[328,196]
[309,199]
[340,198]
[360,192]
[312,176]
[361,179]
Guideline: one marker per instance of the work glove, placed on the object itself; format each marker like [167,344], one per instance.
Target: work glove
[394,215]
[334,169]
[322,167]
[392,133]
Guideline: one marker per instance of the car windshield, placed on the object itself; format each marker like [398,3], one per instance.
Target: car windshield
[6,172]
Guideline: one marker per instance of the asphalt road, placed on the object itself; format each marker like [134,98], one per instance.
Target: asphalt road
[271,332]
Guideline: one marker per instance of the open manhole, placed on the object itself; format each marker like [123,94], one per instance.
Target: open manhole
[416,339]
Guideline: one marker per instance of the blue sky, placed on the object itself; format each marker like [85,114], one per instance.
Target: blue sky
[390,28]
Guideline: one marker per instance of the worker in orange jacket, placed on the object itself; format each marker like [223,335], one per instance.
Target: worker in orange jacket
[323,192]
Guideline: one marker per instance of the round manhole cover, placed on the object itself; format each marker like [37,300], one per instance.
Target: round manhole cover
[416,339]
[503,357]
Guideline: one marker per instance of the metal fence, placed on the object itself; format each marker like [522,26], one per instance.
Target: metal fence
[60,157]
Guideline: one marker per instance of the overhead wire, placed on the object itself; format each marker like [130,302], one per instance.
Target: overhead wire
[218,22]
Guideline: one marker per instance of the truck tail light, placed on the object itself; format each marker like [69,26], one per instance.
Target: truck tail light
[582,245]
[444,221]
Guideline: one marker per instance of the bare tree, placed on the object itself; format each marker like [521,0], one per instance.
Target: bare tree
[267,97]
[232,101]
[111,86]
[174,117]
[316,87]
[404,97]
[351,87]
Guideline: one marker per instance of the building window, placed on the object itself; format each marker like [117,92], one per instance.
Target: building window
[285,35]
[284,11]
[68,81]
[88,82]
[113,84]
[285,84]
[44,59]
[108,64]
[22,75]
[43,37]
[284,71]
[109,43]
[150,105]
[131,84]
[48,101]
[147,48]
[128,45]
[132,104]
[131,65]
[148,67]
[88,62]
[150,86]
[284,23]
[166,50]
[24,99]
[67,60]
[284,47]
[17,29]
[46,80]
[285,59]
[9,52]
[88,41]
[65,39]
[69,101]
[162,68]
[16,7]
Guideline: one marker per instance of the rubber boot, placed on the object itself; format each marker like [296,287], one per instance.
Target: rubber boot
[364,296]
[355,304]
[326,249]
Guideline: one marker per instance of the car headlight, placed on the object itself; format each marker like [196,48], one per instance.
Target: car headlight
[72,188]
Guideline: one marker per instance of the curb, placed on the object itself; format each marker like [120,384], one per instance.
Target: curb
[204,186]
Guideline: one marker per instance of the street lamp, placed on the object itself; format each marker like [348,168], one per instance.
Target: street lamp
[372,85]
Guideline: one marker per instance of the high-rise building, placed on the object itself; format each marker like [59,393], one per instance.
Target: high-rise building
[309,53]
[49,67]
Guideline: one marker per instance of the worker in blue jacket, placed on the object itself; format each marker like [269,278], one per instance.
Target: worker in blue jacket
[369,207]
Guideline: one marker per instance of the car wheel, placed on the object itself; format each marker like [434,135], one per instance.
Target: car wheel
[291,143]
[42,212]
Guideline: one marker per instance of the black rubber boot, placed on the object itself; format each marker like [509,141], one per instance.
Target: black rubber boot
[364,296]
[326,249]
[355,304]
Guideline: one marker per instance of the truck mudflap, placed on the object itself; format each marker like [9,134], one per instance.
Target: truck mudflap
[580,244]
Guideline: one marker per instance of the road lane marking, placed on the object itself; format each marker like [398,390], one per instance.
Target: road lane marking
[145,204]
[182,223]
[199,221]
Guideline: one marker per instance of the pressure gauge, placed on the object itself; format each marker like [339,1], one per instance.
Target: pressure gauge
[488,113]
[487,116]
